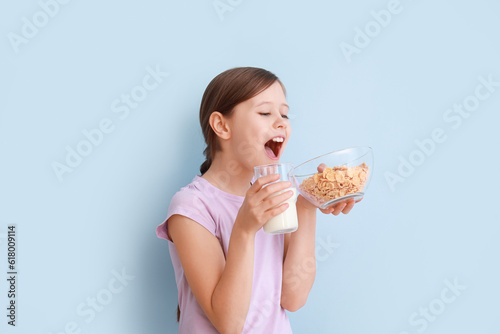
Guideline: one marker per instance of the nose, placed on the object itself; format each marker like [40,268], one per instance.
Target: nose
[280,123]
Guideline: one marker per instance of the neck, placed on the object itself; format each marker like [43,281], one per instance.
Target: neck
[228,175]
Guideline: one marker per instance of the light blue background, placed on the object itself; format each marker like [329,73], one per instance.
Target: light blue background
[395,249]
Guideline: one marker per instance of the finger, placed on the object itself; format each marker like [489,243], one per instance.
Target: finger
[261,181]
[338,208]
[327,210]
[359,200]
[274,200]
[276,211]
[272,189]
[348,207]
[321,167]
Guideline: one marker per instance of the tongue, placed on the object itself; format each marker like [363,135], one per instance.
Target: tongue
[270,152]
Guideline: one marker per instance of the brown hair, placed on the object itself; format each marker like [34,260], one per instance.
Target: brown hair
[223,93]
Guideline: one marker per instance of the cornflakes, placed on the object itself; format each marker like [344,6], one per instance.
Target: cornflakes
[335,182]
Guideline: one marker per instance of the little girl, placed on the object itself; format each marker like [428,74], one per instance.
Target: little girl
[232,277]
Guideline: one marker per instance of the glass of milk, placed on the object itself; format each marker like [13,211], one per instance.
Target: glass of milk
[286,221]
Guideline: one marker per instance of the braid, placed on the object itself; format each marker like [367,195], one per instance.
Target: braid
[208,162]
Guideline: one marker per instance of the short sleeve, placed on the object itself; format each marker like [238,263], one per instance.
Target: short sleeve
[188,203]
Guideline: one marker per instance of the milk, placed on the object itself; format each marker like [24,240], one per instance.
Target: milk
[286,221]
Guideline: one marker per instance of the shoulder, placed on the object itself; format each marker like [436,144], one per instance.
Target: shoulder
[193,195]
[193,201]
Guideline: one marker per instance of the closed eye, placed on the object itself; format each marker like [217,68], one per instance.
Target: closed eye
[268,113]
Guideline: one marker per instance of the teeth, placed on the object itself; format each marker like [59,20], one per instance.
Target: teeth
[278,139]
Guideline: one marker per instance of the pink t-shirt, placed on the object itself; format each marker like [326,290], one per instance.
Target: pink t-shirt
[216,210]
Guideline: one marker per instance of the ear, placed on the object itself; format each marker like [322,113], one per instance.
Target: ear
[220,126]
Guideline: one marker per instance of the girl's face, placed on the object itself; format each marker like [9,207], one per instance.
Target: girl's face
[260,128]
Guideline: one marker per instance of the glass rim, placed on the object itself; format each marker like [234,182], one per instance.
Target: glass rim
[368,149]
[275,164]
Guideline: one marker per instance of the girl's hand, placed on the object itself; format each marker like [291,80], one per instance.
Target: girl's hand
[345,206]
[260,205]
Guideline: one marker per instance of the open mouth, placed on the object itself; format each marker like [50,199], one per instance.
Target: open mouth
[273,147]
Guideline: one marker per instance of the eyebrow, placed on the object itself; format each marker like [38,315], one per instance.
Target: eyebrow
[267,102]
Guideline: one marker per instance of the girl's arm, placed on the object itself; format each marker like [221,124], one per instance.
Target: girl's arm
[299,264]
[223,286]
[299,260]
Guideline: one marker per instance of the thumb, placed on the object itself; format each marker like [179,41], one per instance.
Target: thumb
[321,167]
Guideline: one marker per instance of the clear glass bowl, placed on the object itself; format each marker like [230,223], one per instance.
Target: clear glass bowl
[346,174]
